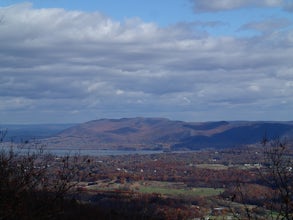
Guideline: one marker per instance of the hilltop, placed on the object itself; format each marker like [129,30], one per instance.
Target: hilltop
[163,134]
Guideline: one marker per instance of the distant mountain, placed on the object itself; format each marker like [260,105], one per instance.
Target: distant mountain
[241,134]
[161,133]
[22,133]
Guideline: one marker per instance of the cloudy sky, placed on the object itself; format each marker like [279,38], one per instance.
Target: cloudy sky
[193,60]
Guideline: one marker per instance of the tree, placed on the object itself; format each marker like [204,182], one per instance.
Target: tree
[278,174]
[34,184]
[275,180]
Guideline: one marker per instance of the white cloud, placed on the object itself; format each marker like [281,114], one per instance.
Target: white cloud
[254,88]
[54,62]
[119,92]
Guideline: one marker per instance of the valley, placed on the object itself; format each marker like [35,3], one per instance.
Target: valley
[192,185]
[165,169]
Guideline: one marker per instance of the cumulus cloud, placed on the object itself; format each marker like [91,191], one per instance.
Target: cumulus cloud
[220,5]
[74,66]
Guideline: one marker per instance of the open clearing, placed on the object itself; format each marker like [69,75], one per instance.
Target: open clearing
[169,189]
[212,166]
[189,192]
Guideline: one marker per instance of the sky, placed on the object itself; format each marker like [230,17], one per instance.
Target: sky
[71,61]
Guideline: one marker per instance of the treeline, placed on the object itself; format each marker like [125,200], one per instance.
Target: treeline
[37,185]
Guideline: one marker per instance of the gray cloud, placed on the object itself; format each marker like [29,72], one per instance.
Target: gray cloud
[288,6]
[220,5]
[67,66]
[268,26]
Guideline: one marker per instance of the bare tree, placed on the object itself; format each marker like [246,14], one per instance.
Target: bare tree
[34,184]
[276,175]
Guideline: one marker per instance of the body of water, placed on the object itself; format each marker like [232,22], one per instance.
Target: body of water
[89,152]
[93,152]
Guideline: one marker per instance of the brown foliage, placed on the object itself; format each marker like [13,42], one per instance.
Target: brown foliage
[34,185]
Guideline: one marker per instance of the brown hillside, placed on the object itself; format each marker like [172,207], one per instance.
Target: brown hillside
[161,133]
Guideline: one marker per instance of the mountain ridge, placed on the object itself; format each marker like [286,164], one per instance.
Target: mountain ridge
[163,133]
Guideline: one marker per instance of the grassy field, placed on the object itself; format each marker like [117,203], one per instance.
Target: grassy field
[164,188]
[207,191]
[212,166]
[189,192]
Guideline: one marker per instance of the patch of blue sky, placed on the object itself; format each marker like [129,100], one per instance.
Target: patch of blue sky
[164,13]
[234,21]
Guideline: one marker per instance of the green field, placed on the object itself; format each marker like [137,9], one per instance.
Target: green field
[189,192]
[212,166]
[164,188]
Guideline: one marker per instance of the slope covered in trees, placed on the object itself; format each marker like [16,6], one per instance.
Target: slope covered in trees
[160,133]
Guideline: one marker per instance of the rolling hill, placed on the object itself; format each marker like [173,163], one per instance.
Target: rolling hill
[161,133]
